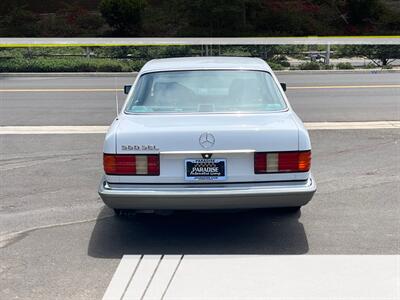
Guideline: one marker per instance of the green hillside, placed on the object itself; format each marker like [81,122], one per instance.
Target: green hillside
[174,18]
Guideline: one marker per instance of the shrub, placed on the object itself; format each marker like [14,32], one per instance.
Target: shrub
[77,64]
[281,60]
[136,65]
[382,55]
[371,66]
[374,66]
[285,64]
[344,66]
[310,66]
[327,67]
[275,66]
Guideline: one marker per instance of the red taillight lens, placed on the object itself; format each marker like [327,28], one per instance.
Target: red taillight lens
[282,162]
[122,164]
[288,161]
[153,164]
[260,163]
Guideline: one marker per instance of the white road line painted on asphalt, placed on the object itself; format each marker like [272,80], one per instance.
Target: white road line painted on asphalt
[163,277]
[142,278]
[5,130]
[260,277]
[122,277]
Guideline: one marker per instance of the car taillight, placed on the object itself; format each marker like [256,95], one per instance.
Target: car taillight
[126,164]
[282,162]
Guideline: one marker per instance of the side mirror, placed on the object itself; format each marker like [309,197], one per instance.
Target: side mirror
[283,85]
[127,88]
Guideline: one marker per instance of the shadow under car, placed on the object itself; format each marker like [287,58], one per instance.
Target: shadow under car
[262,231]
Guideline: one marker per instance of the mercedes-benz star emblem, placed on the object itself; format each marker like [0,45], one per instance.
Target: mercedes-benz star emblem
[206,140]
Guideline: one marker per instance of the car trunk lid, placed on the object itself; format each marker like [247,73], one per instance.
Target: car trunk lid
[235,137]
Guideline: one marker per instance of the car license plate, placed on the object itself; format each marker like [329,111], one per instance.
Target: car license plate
[205,169]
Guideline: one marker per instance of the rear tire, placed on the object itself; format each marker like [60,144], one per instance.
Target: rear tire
[292,209]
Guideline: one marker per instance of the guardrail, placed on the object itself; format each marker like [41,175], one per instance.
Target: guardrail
[79,42]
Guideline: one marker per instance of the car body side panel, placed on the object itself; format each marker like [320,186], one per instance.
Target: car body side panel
[304,138]
[110,140]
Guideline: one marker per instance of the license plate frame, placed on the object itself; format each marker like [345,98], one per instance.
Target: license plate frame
[201,175]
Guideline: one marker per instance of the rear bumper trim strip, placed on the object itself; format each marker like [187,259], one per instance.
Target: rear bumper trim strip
[212,196]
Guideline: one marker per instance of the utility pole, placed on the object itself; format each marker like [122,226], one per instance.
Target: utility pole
[328,54]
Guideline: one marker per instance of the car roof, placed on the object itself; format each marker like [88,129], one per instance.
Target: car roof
[205,63]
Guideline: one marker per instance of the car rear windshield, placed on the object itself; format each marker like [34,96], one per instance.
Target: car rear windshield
[213,91]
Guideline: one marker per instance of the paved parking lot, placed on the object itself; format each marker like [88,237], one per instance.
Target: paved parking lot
[58,241]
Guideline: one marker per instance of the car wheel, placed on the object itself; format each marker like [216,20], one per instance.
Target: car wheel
[292,209]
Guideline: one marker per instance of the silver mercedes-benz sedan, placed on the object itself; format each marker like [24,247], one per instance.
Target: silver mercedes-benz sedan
[206,133]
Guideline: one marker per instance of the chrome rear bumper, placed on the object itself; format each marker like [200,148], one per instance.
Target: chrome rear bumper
[207,196]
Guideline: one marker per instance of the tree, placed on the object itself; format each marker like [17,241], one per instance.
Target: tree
[124,16]
[364,11]
[215,17]
[19,22]
[381,55]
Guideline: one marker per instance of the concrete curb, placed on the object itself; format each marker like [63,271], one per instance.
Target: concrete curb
[129,74]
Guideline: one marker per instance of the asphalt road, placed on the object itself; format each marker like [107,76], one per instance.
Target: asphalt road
[58,241]
[68,107]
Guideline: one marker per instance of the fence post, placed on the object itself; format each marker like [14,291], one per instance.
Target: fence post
[87,52]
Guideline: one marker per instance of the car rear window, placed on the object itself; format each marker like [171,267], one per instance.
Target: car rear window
[206,91]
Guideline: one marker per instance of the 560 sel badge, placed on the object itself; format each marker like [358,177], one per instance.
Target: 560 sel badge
[139,147]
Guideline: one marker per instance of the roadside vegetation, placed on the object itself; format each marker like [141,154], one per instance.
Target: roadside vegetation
[205,18]
[344,66]
[77,64]
[127,59]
